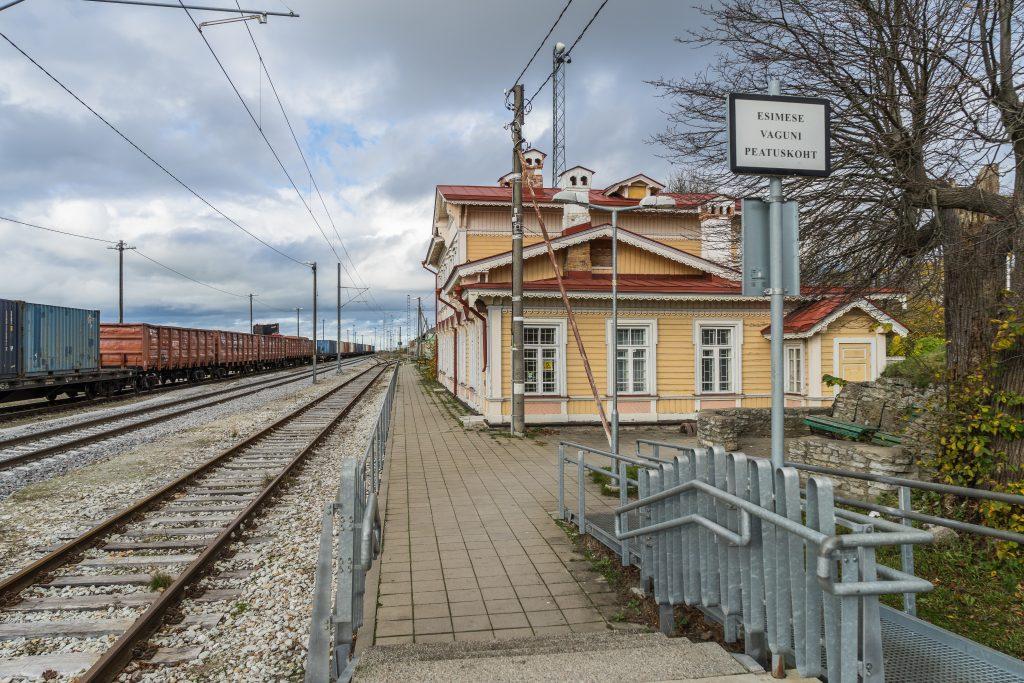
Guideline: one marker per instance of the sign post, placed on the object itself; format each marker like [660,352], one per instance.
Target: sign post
[777,136]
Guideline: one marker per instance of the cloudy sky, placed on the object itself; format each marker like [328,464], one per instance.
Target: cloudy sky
[387,99]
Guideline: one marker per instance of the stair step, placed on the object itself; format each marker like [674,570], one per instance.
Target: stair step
[577,660]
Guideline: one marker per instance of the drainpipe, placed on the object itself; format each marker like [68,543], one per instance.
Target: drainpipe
[455,343]
[470,309]
[437,308]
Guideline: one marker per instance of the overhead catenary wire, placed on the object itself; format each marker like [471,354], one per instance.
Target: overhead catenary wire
[305,162]
[542,42]
[189,277]
[147,155]
[259,129]
[568,52]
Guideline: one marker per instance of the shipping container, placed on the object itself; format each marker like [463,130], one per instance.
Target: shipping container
[9,346]
[327,347]
[266,328]
[58,340]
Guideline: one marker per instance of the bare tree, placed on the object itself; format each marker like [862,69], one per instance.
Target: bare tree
[689,181]
[927,137]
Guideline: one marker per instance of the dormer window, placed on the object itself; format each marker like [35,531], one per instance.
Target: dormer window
[572,180]
[583,180]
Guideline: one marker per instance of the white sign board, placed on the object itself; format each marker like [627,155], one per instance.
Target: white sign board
[776,135]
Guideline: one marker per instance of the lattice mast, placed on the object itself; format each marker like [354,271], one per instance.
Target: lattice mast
[559,60]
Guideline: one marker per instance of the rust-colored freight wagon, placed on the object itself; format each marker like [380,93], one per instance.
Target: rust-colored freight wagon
[168,352]
[236,349]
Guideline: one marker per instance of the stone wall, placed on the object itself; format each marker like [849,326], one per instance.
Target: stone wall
[894,461]
[888,403]
[726,427]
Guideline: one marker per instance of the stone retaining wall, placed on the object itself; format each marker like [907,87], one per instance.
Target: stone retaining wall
[726,427]
[894,461]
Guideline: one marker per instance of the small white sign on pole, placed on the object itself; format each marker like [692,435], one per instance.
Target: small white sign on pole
[777,135]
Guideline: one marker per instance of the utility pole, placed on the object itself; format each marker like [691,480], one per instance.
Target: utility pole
[120,247]
[297,309]
[338,359]
[313,266]
[251,295]
[518,368]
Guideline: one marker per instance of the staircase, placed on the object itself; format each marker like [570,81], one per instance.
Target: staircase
[612,655]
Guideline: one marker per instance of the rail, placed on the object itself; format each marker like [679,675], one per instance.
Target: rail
[349,556]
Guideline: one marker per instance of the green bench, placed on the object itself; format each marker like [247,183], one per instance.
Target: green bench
[886,439]
[829,425]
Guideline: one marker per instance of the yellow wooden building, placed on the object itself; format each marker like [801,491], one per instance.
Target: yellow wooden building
[688,339]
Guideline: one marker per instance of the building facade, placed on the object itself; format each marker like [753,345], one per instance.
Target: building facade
[688,339]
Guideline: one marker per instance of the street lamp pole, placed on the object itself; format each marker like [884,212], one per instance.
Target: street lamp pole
[615,331]
[653,202]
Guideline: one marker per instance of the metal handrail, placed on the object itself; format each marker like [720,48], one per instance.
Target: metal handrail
[329,656]
[905,510]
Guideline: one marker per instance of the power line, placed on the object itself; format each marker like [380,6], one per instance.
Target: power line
[569,51]
[259,128]
[100,239]
[189,277]
[59,232]
[146,154]
[302,155]
[546,36]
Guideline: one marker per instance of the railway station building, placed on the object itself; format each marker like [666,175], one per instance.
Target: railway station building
[688,339]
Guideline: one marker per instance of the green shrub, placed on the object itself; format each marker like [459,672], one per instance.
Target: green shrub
[925,362]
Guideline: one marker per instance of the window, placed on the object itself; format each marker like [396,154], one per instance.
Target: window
[717,358]
[540,356]
[794,370]
[632,362]
[583,180]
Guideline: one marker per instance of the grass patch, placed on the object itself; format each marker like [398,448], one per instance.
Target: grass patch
[240,608]
[160,581]
[976,595]
[610,485]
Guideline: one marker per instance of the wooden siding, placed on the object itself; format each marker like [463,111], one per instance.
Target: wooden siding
[482,246]
[635,261]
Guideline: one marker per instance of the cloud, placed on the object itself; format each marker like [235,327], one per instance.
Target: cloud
[388,100]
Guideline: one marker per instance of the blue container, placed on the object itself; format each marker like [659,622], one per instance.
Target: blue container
[57,341]
[327,347]
[9,317]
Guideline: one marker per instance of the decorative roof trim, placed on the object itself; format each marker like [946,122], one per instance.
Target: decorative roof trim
[632,179]
[863,304]
[626,236]
[641,296]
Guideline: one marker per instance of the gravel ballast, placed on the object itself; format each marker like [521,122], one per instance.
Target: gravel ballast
[40,515]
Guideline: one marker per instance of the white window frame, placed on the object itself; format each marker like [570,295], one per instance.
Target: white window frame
[560,355]
[737,355]
[651,325]
[798,346]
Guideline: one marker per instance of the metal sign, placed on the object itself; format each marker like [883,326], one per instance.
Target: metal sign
[756,249]
[777,135]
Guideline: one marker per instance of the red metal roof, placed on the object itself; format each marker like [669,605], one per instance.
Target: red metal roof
[590,282]
[490,193]
[806,316]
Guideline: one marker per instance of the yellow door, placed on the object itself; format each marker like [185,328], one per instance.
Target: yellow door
[854,361]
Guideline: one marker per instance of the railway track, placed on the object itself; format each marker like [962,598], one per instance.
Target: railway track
[178,530]
[20,411]
[35,445]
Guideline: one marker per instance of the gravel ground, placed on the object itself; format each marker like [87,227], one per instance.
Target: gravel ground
[62,463]
[38,516]
[261,635]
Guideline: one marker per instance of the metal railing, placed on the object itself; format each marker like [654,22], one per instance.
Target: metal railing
[903,512]
[349,557]
[724,533]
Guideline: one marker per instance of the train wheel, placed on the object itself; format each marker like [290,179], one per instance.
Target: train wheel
[90,391]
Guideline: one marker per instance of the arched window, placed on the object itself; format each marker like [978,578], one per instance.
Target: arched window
[583,180]
[572,180]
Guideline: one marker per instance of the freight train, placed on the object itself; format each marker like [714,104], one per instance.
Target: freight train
[46,351]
